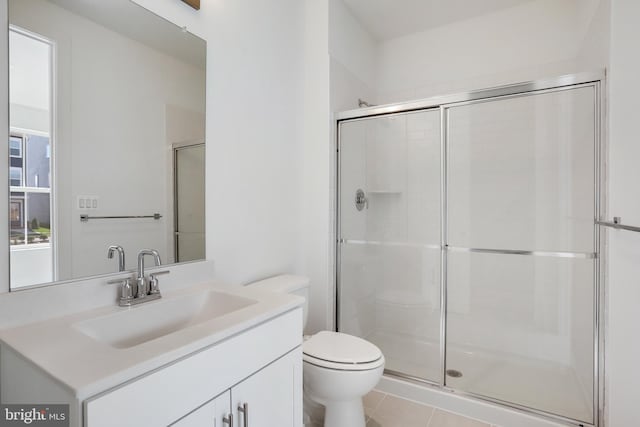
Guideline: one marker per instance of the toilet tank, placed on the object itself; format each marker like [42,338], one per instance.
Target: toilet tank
[287,284]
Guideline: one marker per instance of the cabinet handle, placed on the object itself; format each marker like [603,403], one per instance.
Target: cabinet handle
[228,420]
[244,410]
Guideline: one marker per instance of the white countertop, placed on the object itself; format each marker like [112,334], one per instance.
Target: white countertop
[87,366]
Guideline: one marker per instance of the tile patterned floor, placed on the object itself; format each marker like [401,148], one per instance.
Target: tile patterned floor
[386,410]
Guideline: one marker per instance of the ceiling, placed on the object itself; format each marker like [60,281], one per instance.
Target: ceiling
[388,19]
[133,21]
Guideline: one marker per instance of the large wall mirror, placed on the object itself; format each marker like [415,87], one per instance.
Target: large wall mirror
[106,144]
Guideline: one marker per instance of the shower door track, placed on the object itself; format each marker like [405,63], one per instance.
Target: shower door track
[442,103]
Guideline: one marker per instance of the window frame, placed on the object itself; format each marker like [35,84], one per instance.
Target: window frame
[51,134]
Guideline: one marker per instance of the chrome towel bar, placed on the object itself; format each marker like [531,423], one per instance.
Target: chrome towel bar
[617,223]
[86,218]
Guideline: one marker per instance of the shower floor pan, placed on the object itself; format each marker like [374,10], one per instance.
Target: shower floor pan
[535,384]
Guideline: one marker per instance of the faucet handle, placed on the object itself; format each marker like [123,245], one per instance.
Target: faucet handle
[118,281]
[153,281]
[126,290]
[159,273]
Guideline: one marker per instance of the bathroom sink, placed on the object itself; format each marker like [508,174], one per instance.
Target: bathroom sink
[137,325]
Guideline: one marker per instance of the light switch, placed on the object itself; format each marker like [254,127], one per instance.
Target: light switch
[88,202]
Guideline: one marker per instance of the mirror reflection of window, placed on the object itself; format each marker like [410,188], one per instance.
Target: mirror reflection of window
[29,159]
[91,134]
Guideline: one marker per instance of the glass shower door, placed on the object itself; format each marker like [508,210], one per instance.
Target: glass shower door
[521,250]
[390,242]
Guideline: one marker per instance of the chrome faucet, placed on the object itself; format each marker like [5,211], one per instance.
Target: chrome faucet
[127,295]
[117,248]
[141,281]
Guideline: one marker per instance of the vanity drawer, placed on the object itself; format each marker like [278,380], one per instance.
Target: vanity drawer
[165,395]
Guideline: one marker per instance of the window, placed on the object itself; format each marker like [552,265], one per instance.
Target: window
[15,147]
[30,204]
[15,214]
[30,158]
[15,176]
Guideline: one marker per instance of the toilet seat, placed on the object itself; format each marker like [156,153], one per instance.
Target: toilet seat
[342,366]
[338,351]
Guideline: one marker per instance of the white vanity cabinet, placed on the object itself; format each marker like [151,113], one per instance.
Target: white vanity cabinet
[269,396]
[213,413]
[265,399]
[260,367]
[192,377]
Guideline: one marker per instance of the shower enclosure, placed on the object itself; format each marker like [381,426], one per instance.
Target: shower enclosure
[467,244]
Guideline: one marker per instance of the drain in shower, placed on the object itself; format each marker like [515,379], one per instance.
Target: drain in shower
[454,373]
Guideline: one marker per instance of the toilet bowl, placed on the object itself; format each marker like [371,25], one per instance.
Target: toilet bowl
[338,369]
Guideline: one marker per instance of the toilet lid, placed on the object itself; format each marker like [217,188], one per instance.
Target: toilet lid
[335,366]
[337,347]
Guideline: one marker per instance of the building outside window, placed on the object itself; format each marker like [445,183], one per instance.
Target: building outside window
[30,200]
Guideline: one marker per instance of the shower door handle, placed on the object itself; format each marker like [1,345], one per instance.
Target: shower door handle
[361,200]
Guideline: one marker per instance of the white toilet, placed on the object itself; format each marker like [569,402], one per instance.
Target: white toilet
[338,369]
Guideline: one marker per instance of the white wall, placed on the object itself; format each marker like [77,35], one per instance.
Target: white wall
[350,43]
[594,48]
[254,110]
[353,59]
[543,38]
[623,345]
[317,154]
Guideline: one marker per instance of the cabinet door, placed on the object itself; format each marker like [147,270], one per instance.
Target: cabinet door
[208,415]
[272,396]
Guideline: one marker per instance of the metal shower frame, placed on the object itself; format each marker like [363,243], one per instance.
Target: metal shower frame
[443,103]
